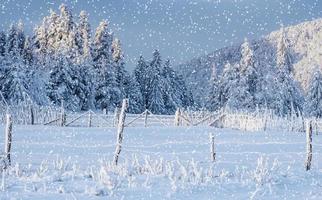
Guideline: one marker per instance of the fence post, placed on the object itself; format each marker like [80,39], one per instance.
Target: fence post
[212,147]
[89,118]
[120,129]
[177,117]
[308,145]
[8,138]
[62,115]
[146,118]
[32,116]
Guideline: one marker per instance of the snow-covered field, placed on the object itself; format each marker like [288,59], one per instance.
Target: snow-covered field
[160,163]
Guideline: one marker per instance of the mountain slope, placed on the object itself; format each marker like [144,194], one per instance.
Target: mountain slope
[305,42]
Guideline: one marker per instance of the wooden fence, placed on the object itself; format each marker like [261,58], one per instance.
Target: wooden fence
[256,121]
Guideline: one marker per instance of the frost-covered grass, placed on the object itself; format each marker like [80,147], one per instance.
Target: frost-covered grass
[160,163]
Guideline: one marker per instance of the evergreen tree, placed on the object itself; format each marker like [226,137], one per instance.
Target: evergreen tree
[213,101]
[227,85]
[108,94]
[289,98]
[175,92]
[248,78]
[119,66]
[154,85]
[15,72]
[140,74]
[283,58]
[133,93]
[313,105]
[61,86]
[84,35]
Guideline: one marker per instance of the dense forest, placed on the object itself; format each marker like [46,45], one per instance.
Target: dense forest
[65,63]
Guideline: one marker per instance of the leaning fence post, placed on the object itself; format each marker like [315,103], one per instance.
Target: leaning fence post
[146,118]
[8,138]
[89,118]
[177,117]
[308,145]
[212,147]
[120,129]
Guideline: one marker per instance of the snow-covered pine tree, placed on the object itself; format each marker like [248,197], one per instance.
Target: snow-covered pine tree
[65,40]
[27,52]
[140,74]
[12,41]
[119,65]
[154,85]
[50,27]
[171,96]
[228,84]
[84,35]
[40,45]
[15,85]
[108,95]
[313,104]
[289,97]
[61,85]
[133,93]
[213,101]
[175,92]
[248,78]
[283,57]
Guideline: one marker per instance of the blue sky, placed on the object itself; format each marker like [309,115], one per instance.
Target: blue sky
[181,29]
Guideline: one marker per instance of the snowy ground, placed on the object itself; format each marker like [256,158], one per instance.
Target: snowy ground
[160,163]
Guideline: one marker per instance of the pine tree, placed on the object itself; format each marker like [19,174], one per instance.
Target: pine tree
[119,66]
[227,85]
[175,92]
[313,105]
[84,35]
[213,101]
[140,74]
[15,73]
[283,58]
[108,94]
[289,98]
[171,96]
[12,41]
[155,92]
[65,40]
[133,93]
[61,86]
[248,78]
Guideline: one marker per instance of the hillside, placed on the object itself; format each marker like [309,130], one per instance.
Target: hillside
[305,47]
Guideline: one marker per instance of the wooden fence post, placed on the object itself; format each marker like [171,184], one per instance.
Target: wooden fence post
[177,117]
[32,116]
[89,118]
[146,118]
[8,138]
[212,147]
[308,145]
[62,117]
[120,129]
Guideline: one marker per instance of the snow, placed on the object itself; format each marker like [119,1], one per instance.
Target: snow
[160,163]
